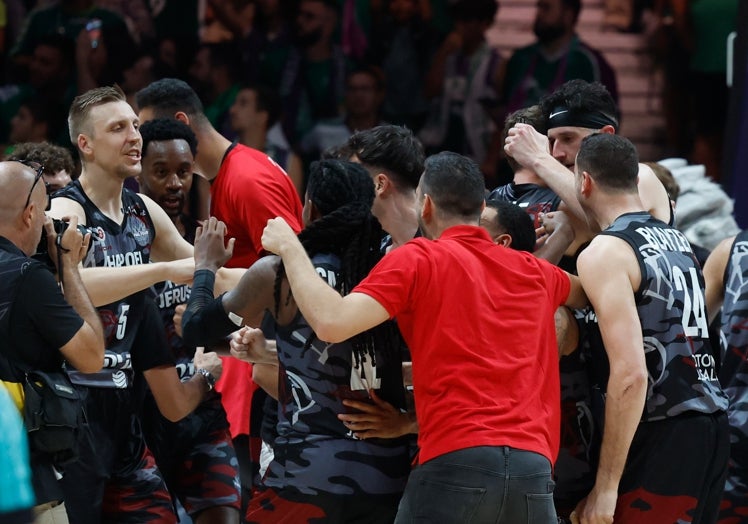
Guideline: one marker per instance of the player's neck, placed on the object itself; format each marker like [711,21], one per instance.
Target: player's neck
[403,220]
[213,147]
[608,211]
[105,191]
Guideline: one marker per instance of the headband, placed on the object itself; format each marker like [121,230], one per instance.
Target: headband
[562,116]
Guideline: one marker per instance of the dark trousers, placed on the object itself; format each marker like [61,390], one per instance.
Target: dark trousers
[482,484]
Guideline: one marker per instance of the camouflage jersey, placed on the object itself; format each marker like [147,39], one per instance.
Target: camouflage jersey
[670,304]
[168,296]
[532,198]
[115,245]
[733,374]
[314,452]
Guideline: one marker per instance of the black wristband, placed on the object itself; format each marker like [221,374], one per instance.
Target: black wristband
[204,321]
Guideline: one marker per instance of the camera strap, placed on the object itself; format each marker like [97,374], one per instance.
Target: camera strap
[60,250]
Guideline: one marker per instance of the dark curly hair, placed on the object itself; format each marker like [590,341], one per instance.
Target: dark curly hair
[54,158]
[162,129]
[580,95]
[343,192]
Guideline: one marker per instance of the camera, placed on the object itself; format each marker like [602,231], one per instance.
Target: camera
[60,226]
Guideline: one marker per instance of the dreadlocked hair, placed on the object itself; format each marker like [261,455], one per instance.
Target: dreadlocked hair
[343,193]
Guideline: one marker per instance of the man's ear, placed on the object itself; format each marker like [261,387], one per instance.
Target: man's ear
[428,210]
[504,239]
[27,216]
[84,144]
[587,183]
[608,129]
[182,117]
[314,212]
[381,183]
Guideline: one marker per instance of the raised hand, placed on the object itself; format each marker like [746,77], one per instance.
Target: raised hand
[211,251]
[277,233]
[525,145]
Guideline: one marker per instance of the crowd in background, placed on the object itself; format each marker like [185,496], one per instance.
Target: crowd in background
[294,76]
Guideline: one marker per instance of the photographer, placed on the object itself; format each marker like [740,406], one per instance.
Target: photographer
[40,327]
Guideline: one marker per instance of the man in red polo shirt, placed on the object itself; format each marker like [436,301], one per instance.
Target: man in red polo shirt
[478,319]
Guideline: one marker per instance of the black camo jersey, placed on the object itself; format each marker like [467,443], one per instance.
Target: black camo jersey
[168,296]
[314,452]
[534,199]
[733,374]
[670,304]
[115,245]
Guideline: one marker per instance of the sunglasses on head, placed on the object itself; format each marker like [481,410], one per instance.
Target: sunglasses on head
[39,170]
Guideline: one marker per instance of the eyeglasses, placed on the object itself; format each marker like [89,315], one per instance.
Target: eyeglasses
[39,169]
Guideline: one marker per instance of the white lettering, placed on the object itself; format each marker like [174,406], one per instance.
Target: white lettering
[665,239]
[173,296]
[693,306]
[124,259]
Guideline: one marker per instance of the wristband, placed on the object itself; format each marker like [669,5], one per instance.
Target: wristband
[210,380]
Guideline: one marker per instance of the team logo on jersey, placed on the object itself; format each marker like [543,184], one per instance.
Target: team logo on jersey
[140,231]
[302,396]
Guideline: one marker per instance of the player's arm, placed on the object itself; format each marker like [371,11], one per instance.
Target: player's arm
[168,244]
[207,319]
[577,294]
[250,345]
[653,194]
[531,150]
[109,284]
[610,273]
[332,317]
[176,399]
[85,350]
[567,331]
[714,277]
[554,236]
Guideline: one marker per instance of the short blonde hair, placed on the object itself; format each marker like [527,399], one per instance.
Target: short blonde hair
[82,105]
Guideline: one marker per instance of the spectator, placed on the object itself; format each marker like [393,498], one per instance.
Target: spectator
[557,56]
[313,79]
[364,92]
[215,75]
[255,117]
[464,83]
[403,45]
[37,120]
[102,58]
[59,169]
[66,18]
[50,78]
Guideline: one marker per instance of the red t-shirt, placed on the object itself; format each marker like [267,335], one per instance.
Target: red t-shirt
[249,190]
[478,319]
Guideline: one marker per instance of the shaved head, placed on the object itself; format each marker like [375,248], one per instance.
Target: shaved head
[15,183]
[16,222]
